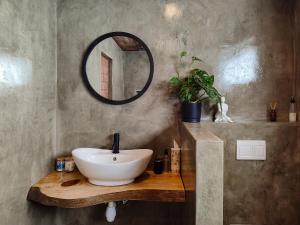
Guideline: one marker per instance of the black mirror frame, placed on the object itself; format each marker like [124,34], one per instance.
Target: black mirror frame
[85,78]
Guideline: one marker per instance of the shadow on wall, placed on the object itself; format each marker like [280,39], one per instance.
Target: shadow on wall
[156,213]
[163,141]
[285,6]
[165,138]
[40,213]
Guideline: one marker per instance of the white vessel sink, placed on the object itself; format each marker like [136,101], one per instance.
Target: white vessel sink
[102,167]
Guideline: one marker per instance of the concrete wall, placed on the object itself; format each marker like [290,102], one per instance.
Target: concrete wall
[27,99]
[249,45]
[255,192]
[188,174]
[136,72]
[202,173]
[261,192]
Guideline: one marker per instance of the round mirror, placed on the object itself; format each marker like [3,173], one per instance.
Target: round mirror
[117,68]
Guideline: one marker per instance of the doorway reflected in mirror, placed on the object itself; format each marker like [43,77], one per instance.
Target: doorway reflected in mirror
[105,76]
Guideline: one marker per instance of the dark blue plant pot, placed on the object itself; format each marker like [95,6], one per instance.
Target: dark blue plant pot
[191,112]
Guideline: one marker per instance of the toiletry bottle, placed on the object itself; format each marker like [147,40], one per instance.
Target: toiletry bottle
[166,161]
[292,112]
[175,160]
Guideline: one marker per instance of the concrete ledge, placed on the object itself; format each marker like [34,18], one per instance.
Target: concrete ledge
[204,151]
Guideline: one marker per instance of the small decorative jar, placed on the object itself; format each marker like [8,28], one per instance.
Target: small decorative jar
[158,167]
[60,164]
[69,164]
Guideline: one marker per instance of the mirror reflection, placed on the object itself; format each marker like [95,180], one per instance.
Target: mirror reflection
[118,68]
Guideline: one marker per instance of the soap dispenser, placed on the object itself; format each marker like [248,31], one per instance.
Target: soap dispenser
[292,111]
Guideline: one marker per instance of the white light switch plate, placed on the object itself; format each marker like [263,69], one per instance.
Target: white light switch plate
[251,150]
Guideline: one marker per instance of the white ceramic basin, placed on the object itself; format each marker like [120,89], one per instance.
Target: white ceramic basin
[101,167]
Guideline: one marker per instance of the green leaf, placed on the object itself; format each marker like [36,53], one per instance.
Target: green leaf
[183,53]
[197,86]
[194,58]
[175,81]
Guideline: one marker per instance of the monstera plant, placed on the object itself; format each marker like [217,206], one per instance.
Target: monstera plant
[194,87]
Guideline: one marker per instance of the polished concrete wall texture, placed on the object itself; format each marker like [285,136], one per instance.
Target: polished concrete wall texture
[27,100]
[249,46]
[261,192]
[45,110]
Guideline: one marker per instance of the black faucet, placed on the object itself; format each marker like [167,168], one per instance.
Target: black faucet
[115,146]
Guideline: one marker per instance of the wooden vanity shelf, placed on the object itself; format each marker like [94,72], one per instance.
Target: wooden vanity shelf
[72,190]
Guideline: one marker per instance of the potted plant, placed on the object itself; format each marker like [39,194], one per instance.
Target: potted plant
[194,88]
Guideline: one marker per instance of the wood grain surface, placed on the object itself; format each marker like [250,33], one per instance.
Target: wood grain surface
[72,190]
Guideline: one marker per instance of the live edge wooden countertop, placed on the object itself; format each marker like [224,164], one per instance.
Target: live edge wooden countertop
[72,190]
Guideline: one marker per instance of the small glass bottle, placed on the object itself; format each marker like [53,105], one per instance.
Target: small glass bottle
[292,111]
